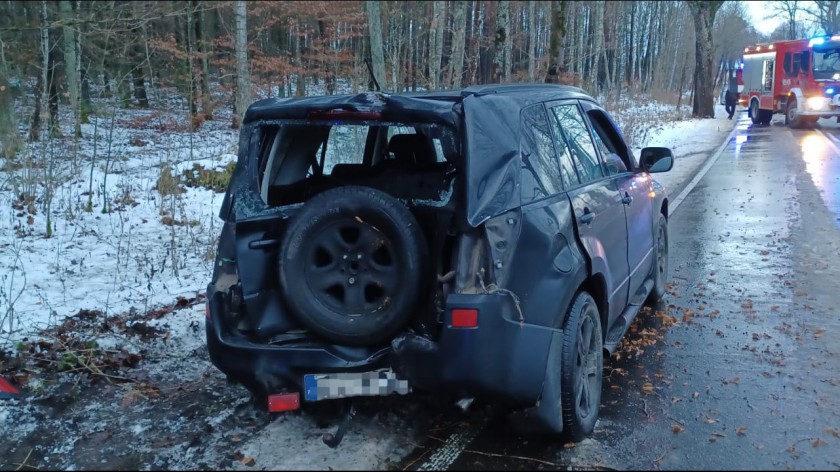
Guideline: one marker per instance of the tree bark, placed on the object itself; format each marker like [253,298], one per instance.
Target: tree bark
[704,17]
[243,75]
[532,40]
[501,59]
[597,47]
[375,36]
[436,43]
[558,32]
[459,26]
[71,70]
[10,141]
[204,77]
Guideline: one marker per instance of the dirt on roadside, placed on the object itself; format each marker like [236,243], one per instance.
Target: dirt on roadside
[138,392]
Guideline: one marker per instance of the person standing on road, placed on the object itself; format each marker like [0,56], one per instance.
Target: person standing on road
[730,100]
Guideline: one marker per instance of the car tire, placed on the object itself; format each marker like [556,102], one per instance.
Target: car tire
[582,366]
[754,112]
[660,262]
[559,409]
[352,265]
[764,116]
[792,117]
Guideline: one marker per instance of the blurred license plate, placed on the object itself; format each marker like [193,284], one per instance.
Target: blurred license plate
[356,384]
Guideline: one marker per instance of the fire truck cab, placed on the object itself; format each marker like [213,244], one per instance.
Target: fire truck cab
[799,78]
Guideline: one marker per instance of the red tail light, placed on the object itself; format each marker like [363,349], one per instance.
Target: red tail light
[464,318]
[283,402]
[6,387]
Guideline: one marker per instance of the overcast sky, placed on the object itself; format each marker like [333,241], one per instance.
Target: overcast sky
[757,11]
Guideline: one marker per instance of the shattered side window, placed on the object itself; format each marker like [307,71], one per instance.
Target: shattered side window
[539,173]
[585,158]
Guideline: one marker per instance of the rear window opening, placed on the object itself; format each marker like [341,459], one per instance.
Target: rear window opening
[414,162]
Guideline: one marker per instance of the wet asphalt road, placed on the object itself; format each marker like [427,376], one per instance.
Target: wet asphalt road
[738,367]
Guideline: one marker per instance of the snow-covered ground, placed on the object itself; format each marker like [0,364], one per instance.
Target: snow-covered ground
[150,246]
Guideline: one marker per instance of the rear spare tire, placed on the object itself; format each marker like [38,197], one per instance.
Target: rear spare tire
[352,265]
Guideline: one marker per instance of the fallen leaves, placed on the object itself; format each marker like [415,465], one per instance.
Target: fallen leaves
[817,442]
[747,303]
[647,388]
[677,428]
[741,431]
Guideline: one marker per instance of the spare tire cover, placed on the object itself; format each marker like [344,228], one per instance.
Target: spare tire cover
[352,265]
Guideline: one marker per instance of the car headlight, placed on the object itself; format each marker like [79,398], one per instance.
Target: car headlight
[817,103]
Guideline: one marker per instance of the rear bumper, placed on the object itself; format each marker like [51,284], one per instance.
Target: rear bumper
[502,358]
[268,369]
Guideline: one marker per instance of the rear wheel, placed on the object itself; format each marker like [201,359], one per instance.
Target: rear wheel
[571,394]
[764,116]
[754,112]
[582,368]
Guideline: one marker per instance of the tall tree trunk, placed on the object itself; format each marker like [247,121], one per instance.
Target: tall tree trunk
[243,75]
[85,105]
[459,24]
[41,112]
[138,77]
[70,56]
[500,41]
[704,17]
[532,40]
[436,43]
[558,32]
[375,36]
[204,77]
[597,46]
[10,142]
[630,50]
[192,73]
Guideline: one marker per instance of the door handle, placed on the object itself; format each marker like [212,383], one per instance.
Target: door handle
[627,199]
[587,216]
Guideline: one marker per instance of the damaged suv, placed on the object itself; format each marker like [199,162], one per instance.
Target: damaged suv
[489,242]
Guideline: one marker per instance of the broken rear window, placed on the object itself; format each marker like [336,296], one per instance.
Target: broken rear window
[298,159]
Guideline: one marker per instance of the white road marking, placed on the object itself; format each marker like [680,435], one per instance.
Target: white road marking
[449,451]
[697,178]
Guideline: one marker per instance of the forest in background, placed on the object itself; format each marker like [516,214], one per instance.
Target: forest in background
[224,54]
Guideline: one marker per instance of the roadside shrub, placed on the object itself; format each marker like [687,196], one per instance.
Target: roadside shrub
[210,179]
[167,183]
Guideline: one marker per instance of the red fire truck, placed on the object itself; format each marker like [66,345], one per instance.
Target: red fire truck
[799,78]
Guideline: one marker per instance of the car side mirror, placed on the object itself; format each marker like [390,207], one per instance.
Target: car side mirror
[656,159]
